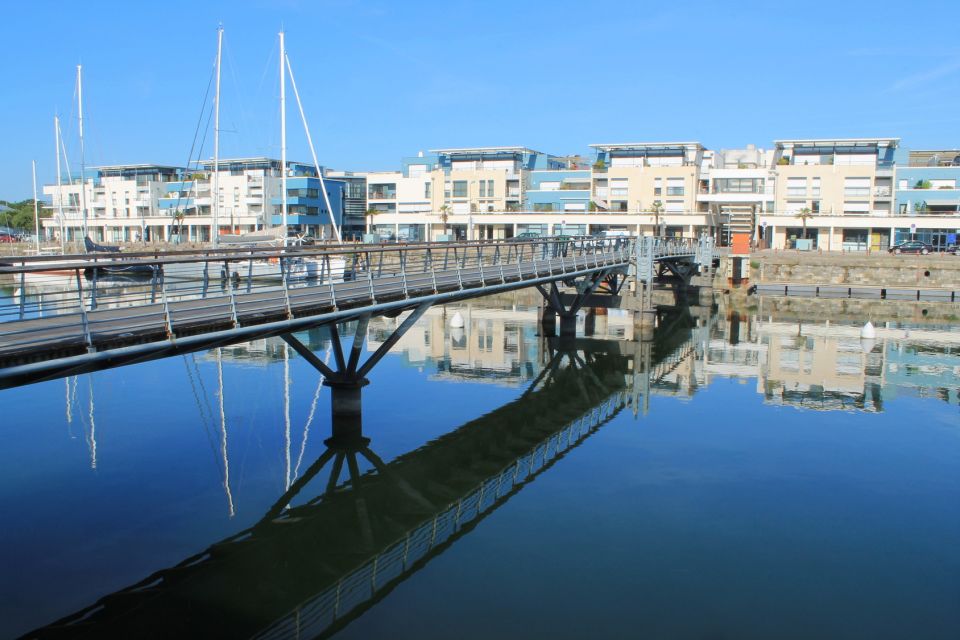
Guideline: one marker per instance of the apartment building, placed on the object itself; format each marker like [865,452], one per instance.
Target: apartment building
[838,193]
[928,195]
[827,194]
[735,187]
[122,202]
[128,203]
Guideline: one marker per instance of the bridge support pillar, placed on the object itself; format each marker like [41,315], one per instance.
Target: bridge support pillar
[345,397]
[548,319]
[568,325]
[644,324]
[590,322]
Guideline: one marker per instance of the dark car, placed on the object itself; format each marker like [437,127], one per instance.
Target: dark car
[526,236]
[911,246]
[952,248]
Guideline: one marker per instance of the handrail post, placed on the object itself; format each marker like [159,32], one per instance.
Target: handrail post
[286,292]
[83,313]
[333,291]
[403,272]
[373,296]
[233,301]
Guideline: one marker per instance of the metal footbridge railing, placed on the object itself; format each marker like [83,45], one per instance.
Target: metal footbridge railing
[66,314]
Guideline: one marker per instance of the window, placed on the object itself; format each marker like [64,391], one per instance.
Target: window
[796,187]
[674,186]
[657,187]
[486,188]
[618,187]
[236,194]
[490,188]
[459,188]
[856,187]
[815,188]
[427,189]
[674,206]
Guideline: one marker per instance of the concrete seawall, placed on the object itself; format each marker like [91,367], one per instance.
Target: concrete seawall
[934,271]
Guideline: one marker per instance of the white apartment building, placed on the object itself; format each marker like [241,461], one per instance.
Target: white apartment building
[122,203]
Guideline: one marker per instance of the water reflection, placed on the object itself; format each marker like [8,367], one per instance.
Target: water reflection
[335,543]
[352,526]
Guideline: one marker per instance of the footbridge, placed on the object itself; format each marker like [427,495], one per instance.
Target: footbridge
[66,315]
[307,570]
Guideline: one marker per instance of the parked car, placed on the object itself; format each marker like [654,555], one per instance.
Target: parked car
[951,249]
[526,236]
[911,246]
[6,237]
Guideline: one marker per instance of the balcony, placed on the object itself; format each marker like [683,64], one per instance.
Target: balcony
[384,194]
[882,192]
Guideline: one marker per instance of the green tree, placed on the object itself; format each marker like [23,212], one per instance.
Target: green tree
[19,215]
[371,212]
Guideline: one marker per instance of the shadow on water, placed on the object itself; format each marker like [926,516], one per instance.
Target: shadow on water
[310,569]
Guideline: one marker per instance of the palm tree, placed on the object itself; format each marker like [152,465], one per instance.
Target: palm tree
[804,215]
[444,216]
[656,206]
[371,212]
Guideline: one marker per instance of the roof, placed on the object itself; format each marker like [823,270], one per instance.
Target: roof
[481,150]
[615,146]
[254,160]
[840,142]
[119,167]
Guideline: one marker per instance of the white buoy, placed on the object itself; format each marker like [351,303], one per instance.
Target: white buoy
[867,344]
[456,321]
[868,332]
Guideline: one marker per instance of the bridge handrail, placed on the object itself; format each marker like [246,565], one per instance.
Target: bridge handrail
[28,264]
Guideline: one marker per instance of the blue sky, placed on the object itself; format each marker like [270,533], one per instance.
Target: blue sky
[381,80]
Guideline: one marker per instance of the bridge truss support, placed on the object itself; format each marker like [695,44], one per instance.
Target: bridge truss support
[350,376]
[553,306]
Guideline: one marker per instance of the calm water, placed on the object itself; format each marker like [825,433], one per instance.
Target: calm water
[744,477]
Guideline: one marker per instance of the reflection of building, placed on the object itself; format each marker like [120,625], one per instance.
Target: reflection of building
[819,366]
[820,371]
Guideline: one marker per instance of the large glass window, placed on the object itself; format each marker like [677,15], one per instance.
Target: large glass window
[459,188]
[674,186]
[386,191]
[738,185]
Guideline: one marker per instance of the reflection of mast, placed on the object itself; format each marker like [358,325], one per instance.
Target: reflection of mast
[306,428]
[223,436]
[92,440]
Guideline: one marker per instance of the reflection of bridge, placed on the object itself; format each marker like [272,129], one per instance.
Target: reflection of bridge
[225,296]
[307,570]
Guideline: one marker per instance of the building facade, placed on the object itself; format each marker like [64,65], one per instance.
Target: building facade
[130,203]
[854,194]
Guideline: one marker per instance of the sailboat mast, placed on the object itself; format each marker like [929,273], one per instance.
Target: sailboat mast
[83,165]
[283,138]
[59,192]
[215,226]
[36,211]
